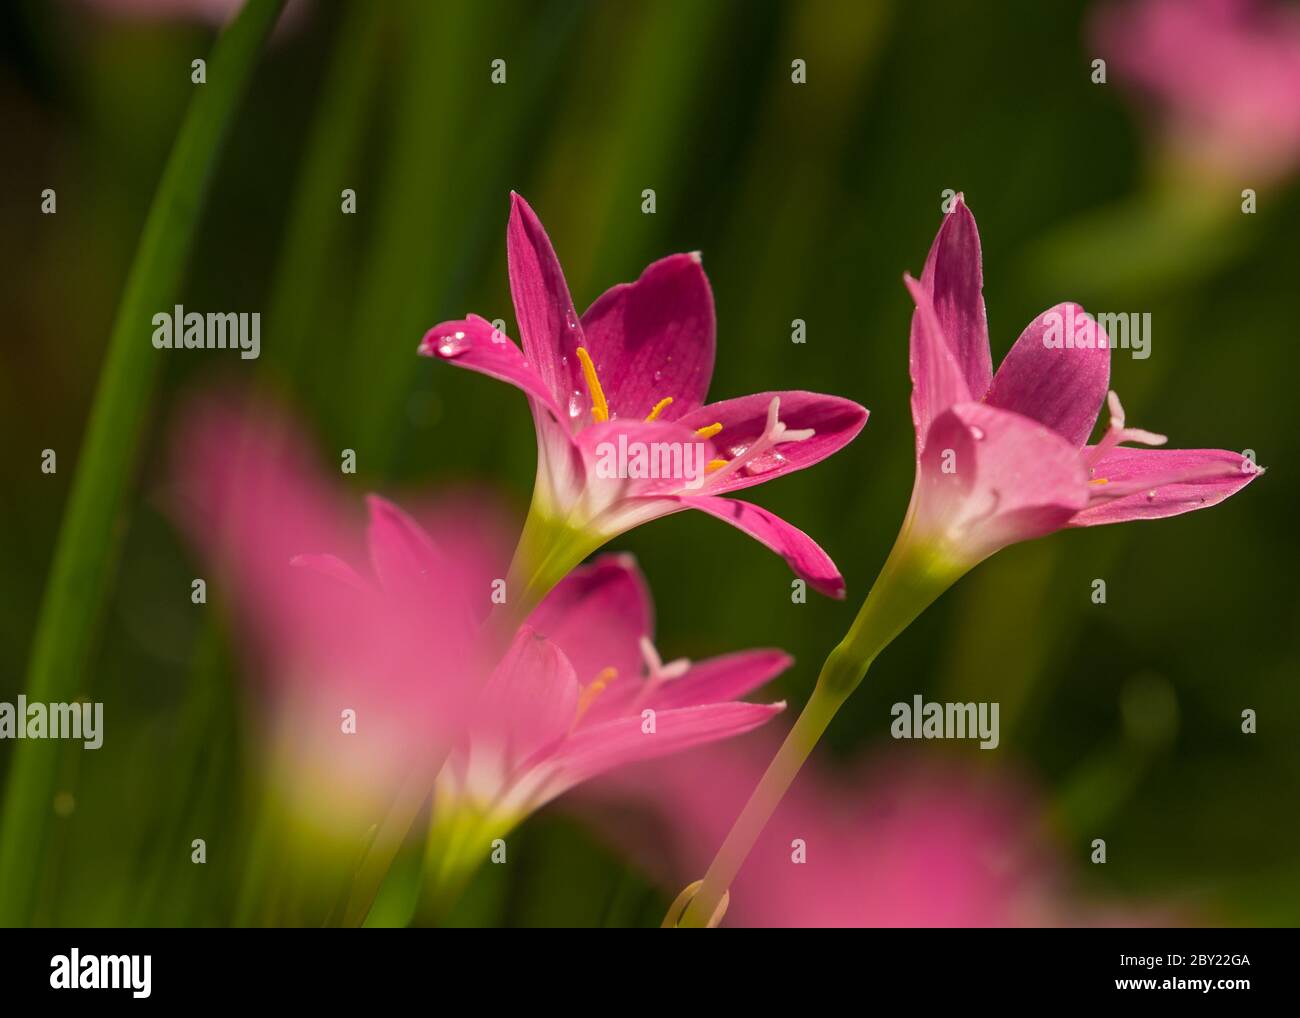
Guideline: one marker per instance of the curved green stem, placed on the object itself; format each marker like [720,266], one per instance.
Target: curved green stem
[915,573]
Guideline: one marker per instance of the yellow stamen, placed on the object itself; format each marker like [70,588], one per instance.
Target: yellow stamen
[708,432]
[713,465]
[589,694]
[599,408]
[659,408]
[1100,480]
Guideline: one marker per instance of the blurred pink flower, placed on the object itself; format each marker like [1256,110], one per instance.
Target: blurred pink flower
[902,840]
[404,642]
[635,369]
[1004,457]
[1222,77]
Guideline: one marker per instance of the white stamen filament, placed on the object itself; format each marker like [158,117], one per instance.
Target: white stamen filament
[1117,433]
[774,432]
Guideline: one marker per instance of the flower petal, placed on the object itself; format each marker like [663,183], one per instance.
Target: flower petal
[835,423]
[547,321]
[401,553]
[937,379]
[473,343]
[597,616]
[1061,385]
[989,478]
[1150,484]
[531,699]
[598,748]
[718,679]
[654,339]
[954,279]
[800,551]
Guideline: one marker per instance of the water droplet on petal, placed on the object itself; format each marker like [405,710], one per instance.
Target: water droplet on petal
[452,345]
[766,462]
[1151,495]
[977,433]
[575,404]
[658,375]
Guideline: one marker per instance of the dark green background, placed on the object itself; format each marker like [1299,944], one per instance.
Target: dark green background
[807,202]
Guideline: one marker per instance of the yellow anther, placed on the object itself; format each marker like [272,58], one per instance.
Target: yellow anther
[713,465]
[589,694]
[708,432]
[599,408]
[1100,480]
[658,408]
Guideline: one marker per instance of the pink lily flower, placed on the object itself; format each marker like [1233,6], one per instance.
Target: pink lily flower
[1005,457]
[628,379]
[583,690]
[902,840]
[1000,458]
[1222,76]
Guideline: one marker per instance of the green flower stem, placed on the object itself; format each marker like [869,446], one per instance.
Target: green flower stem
[85,553]
[915,573]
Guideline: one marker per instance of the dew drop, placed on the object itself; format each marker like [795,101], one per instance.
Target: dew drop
[1151,495]
[977,433]
[575,404]
[766,463]
[452,345]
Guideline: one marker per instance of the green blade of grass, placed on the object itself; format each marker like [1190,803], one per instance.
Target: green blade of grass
[85,550]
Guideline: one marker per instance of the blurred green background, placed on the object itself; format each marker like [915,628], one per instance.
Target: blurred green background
[807,201]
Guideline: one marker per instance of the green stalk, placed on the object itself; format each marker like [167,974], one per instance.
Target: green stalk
[86,550]
[915,573]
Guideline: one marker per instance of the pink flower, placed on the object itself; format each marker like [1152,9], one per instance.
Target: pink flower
[1223,76]
[583,690]
[900,841]
[632,374]
[393,626]
[1004,458]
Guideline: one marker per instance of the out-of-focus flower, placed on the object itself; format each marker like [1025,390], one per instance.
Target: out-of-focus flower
[397,648]
[380,666]
[899,841]
[623,433]
[1222,76]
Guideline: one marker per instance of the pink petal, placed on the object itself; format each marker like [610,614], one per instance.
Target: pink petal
[938,380]
[599,748]
[473,343]
[1163,482]
[719,679]
[835,422]
[1059,386]
[531,699]
[954,279]
[989,478]
[800,551]
[597,616]
[547,321]
[401,553]
[654,338]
